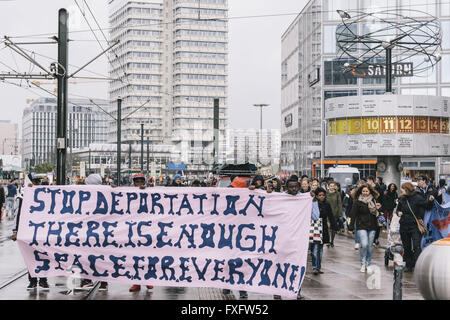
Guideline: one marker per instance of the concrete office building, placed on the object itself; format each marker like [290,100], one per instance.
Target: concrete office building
[173,56]
[244,146]
[309,44]
[86,124]
[9,138]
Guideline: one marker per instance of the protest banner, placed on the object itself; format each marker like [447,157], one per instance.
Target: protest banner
[186,237]
[437,221]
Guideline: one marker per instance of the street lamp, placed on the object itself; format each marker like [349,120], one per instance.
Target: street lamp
[260,127]
[343,14]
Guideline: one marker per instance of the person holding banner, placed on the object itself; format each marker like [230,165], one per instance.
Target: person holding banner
[93,179]
[139,181]
[237,183]
[428,192]
[365,213]
[43,283]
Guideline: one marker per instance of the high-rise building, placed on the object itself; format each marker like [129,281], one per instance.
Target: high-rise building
[173,57]
[312,71]
[244,146]
[9,138]
[86,124]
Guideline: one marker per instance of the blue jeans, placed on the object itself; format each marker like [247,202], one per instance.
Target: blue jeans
[366,238]
[316,255]
[356,235]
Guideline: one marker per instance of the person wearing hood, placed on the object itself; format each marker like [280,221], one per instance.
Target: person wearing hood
[257,183]
[177,180]
[333,197]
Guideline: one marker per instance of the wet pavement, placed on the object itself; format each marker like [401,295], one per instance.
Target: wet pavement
[341,280]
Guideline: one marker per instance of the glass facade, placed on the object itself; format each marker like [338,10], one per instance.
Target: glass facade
[310,42]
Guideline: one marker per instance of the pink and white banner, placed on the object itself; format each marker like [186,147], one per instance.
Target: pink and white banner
[185,237]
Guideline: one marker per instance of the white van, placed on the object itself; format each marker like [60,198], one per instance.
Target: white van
[345,175]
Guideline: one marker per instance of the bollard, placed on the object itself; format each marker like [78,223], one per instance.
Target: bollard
[398,271]
[431,273]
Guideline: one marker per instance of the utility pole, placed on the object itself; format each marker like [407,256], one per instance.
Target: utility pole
[129,155]
[216,131]
[260,130]
[61,128]
[148,156]
[119,142]
[142,147]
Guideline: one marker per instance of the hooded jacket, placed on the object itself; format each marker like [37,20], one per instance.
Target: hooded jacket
[256,178]
[335,201]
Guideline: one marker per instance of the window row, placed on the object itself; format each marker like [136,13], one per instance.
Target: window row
[200,33]
[200,55]
[200,66]
[211,77]
[216,12]
[207,44]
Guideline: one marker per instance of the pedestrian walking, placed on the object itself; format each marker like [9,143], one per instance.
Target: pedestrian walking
[177,181]
[314,184]
[326,214]
[10,197]
[375,184]
[2,200]
[33,282]
[428,192]
[257,183]
[411,208]
[305,187]
[365,214]
[333,197]
[276,185]
[390,200]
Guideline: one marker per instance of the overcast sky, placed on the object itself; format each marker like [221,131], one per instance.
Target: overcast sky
[254,54]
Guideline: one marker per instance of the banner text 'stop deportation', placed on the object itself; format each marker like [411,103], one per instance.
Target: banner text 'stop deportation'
[120,201]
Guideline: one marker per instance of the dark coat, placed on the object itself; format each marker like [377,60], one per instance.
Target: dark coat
[364,219]
[2,196]
[389,201]
[418,204]
[430,191]
[327,215]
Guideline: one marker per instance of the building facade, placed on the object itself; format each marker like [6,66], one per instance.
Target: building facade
[9,138]
[312,71]
[172,57]
[254,146]
[86,124]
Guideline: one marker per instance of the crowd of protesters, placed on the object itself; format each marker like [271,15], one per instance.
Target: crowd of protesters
[362,209]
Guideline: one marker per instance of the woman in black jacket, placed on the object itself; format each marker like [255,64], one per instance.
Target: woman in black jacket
[410,204]
[365,213]
[389,201]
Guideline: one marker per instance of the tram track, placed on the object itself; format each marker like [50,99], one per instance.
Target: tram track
[14,278]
